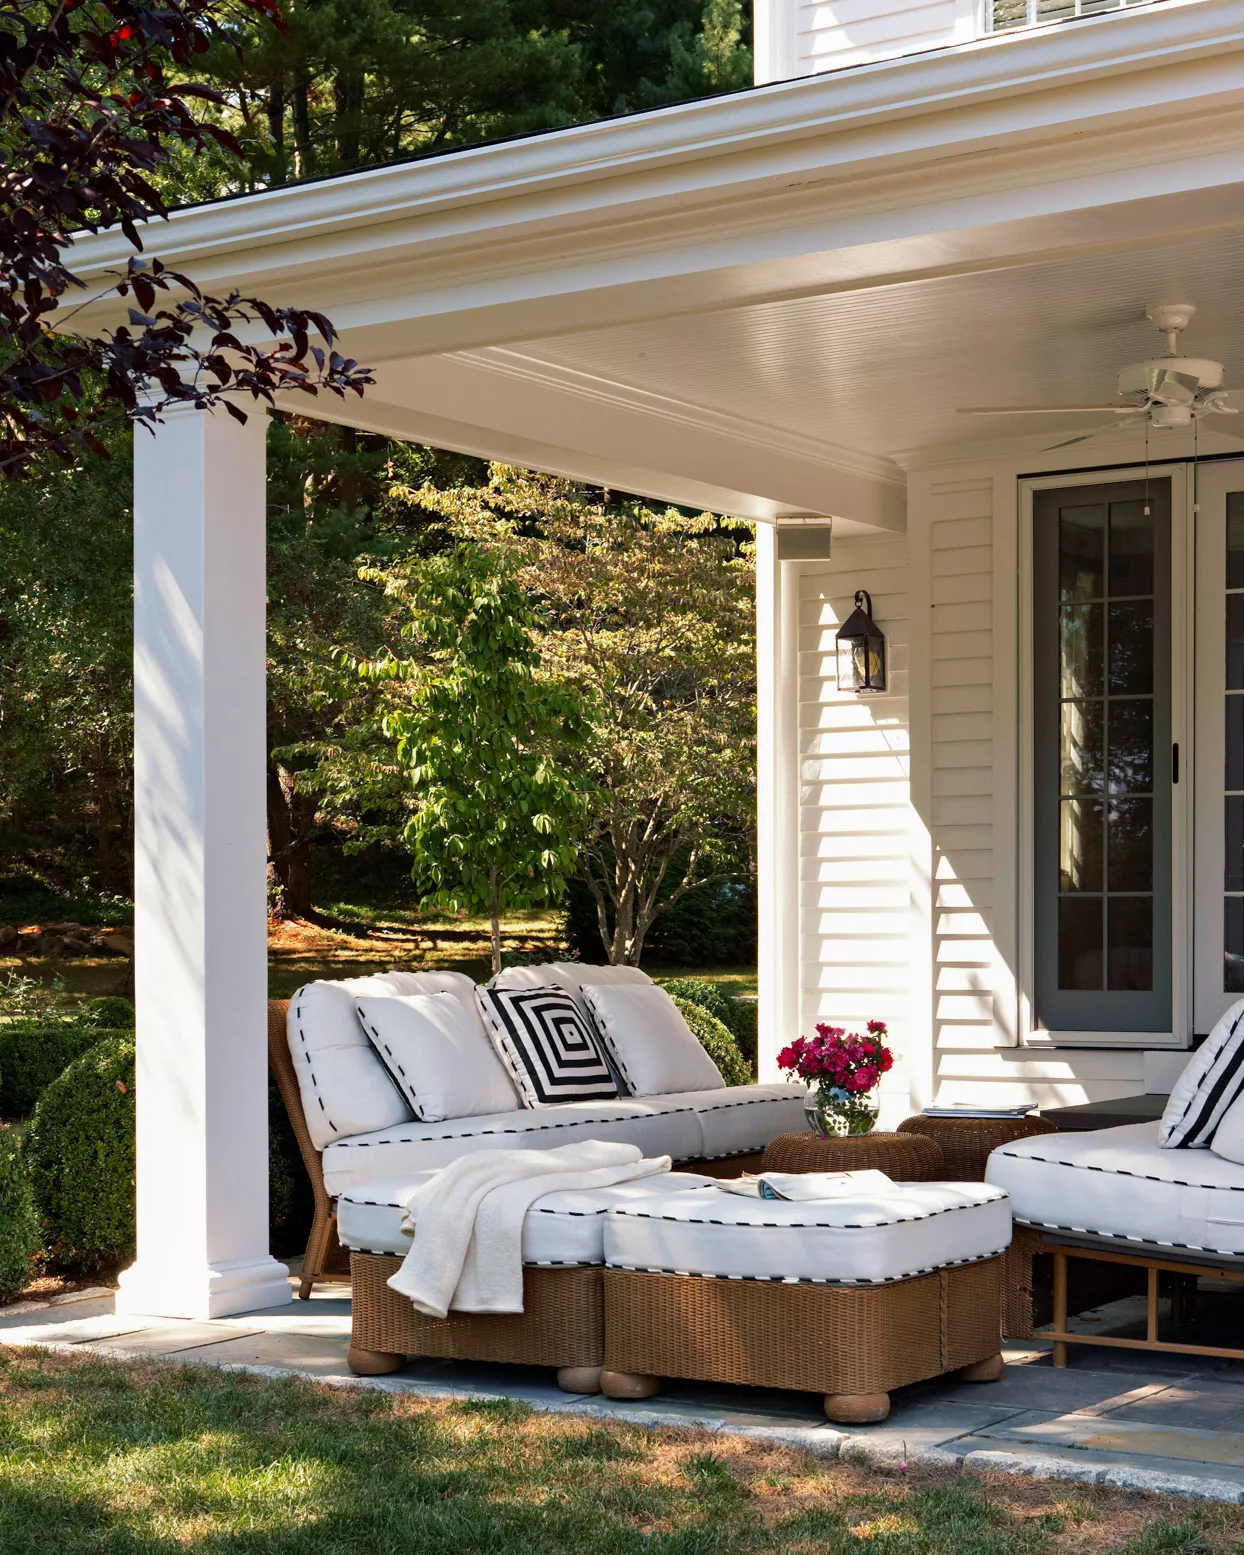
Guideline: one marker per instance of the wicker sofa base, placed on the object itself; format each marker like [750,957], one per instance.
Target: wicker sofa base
[561,1325]
[852,1343]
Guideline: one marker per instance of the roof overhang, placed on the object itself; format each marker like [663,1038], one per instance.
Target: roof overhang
[1094,138]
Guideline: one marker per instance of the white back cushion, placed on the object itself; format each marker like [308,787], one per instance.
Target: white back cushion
[1212,1079]
[569,976]
[456,983]
[439,1057]
[650,1042]
[345,1088]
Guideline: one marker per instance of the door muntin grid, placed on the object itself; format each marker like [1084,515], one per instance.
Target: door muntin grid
[1101,701]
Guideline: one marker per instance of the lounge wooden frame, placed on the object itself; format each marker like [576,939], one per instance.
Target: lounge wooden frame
[1061,1335]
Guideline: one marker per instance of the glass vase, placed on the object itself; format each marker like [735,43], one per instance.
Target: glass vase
[832,1113]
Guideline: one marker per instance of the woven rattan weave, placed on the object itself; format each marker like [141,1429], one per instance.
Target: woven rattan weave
[832,1339]
[562,1322]
[903,1157]
[965,1143]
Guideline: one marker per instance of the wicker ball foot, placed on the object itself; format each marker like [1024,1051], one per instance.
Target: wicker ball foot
[628,1384]
[856,1408]
[373,1363]
[578,1379]
[988,1370]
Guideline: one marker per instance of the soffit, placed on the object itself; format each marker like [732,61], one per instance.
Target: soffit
[883,371]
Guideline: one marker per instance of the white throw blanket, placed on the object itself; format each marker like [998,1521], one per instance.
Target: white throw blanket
[468,1220]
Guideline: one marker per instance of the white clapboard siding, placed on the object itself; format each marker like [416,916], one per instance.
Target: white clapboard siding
[804,37]
[855,868]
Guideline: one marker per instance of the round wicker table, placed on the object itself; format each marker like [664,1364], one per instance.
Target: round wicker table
[908,1157]
[965,1143]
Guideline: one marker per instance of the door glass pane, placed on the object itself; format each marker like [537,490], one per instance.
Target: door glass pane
[1131,845]
[1131,549]
[1083,747]
[1083,648]
[1082,552]
[1079,942]
[1233,945]
[1129,762]
[1130,939]
[1082,831]
[1131,648]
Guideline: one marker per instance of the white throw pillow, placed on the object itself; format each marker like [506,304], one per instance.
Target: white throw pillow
[1212,1079]
[345,1088]
[456,983]
[653,1047]
[438,1057]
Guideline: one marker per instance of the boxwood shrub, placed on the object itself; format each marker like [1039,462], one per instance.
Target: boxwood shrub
[80,1147]
[32,1054]
[81,1153]
[716,1042]
[20,1237]
[738,1016]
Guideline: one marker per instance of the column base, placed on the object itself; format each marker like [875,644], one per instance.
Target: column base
[149,1289]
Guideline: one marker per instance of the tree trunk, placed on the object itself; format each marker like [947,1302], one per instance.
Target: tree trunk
[291,830]
[494,907]
[302,124]
[276,114]
[348,90]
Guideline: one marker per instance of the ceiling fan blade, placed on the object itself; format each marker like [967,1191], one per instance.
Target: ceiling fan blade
[1047,410]
[1095,432]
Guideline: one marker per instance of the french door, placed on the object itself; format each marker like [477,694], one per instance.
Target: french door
[1105,762]
[1218,955]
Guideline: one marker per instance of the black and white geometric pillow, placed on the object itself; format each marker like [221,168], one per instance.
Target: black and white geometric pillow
[1211,1081]
[546,1045]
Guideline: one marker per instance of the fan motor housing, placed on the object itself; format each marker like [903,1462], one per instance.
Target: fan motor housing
[1140,376]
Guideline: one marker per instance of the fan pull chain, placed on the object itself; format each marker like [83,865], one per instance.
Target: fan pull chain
[1146,466]
[1196,454]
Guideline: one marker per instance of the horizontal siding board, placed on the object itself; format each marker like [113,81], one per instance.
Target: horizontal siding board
[962,560]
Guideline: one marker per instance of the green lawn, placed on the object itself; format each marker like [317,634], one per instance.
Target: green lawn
[103,1457]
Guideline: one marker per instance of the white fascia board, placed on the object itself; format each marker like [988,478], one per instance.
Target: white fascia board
[911,165]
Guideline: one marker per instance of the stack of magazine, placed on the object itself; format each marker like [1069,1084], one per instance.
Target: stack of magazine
[967,1111]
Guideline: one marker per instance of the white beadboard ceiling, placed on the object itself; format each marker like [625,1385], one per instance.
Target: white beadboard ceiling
[883,370]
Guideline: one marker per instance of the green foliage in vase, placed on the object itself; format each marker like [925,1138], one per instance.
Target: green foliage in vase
[485,740]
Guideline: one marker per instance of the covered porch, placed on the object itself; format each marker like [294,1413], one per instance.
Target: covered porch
[772,305]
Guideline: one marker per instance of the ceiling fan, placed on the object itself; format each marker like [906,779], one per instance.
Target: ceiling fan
[1165,391]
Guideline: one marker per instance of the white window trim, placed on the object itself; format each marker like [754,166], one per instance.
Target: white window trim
[1182,668]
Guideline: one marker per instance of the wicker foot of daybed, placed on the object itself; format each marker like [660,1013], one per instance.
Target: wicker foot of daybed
[852,1343]
[561,1325]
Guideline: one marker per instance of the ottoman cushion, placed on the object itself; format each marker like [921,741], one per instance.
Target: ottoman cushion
[893,1234]
[560,1228]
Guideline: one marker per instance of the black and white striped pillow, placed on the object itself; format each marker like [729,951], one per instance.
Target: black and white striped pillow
[546,1045]
[1211,1081]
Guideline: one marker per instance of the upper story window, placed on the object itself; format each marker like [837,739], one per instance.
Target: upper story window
[1006,14]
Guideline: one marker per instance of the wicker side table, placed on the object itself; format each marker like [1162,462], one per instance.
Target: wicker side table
[904,1157]
[965,1143]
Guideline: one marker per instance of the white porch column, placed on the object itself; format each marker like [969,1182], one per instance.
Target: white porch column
[777,799]
[199,866]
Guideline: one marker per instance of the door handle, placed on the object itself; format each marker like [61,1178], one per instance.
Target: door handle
[1174,763]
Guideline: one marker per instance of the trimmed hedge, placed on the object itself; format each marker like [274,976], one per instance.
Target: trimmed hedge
[738,1016]
[108,1013]
[80,1148]
[20,1238]
[716,1041]
[32,1055]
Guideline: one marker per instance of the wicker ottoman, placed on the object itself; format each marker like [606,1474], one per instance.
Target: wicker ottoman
[847,1298]
[562,1321]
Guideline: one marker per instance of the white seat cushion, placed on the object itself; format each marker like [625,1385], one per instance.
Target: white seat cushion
[740,1119]
[648,1038]
[560,1228]
[905,1229]
[437,1055]
[659,1126]
[1119,1182]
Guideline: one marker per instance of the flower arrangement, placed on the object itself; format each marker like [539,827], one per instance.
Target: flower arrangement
[843,1066]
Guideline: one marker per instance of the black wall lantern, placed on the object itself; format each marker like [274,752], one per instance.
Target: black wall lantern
[861,650]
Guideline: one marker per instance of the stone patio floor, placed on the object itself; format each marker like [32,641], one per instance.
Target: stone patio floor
[1143,1421]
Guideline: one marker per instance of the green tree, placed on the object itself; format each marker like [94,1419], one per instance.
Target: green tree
[484,738]
[652,613]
